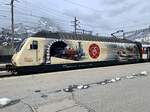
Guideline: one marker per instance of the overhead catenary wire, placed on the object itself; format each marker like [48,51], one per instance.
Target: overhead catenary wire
[67,21]
[63,18]
[50,14]
[84,6]
[2,3]
[50,10]
[36,16]
[57,22]
[46,11]
[90,25]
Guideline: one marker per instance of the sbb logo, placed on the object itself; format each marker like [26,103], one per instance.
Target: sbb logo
[94,51]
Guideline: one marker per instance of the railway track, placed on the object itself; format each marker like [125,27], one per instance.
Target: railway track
[4,73]
[2,68]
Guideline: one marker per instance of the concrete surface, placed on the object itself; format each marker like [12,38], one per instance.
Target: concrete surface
[41,93]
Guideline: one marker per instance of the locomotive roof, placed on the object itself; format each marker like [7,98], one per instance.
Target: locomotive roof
[62,35]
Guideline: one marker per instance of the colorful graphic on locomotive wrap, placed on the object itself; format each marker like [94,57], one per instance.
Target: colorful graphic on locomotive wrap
[62,48]
[83,51]
[94,51]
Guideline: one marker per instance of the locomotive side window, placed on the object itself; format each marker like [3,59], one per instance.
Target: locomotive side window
[144,50]
[34,45]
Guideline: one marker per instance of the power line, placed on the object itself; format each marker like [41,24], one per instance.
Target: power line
[64,15]
[67,21]
[56,15]
[2,2]
[27,21]
[2,16]
[37,16]
[12,21]
[64,19]
[51,10]
[83,6]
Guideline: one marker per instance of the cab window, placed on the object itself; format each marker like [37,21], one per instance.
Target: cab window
[34,45]
[20,45]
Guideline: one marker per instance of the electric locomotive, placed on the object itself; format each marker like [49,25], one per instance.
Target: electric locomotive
[47,51]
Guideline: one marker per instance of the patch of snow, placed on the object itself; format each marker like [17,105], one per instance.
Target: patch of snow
[143,73]
[117,78]
[4,101]
[80,87]
[130,77]
[113,80]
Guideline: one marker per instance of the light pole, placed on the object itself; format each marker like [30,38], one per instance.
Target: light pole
[12,21]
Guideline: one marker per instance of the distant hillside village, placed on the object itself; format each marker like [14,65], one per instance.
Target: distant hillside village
[23,31]
[6,39]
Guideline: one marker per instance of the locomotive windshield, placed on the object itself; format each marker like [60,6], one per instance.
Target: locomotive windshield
[19,46]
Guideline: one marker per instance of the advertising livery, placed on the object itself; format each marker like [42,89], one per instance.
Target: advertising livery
[46,48]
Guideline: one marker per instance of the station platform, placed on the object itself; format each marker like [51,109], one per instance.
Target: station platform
[45,92]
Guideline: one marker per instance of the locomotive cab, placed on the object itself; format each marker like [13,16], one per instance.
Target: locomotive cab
[29,52]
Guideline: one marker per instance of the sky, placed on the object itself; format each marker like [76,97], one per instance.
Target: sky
[99,16]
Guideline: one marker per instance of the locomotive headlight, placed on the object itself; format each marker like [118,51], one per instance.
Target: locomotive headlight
[13,62]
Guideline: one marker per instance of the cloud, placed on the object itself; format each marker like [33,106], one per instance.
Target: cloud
[124,8]
[80,14]
[112,2]
[145,9]
[91,19]
[112,14]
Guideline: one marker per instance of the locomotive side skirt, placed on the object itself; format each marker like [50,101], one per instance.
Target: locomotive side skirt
[68,66]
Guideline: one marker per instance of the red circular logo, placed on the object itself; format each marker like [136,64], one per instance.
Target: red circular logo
[94,51]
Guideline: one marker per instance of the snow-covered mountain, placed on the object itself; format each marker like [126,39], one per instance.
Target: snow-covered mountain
[22,30]
[142,35]
[42,24]
[47,24]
